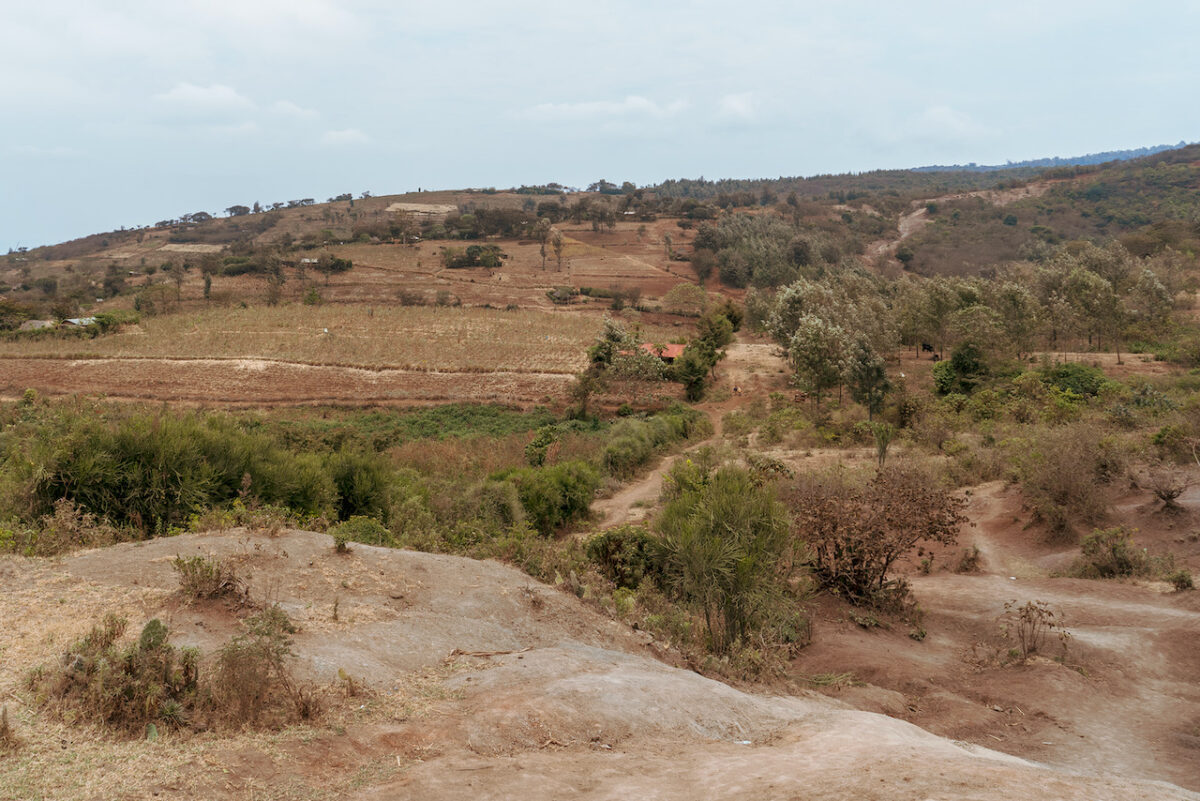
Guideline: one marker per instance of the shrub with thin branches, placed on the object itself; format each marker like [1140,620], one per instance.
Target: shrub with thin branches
[203,578]
[855,534]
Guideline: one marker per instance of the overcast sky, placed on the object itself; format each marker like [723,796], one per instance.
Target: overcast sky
[124,113]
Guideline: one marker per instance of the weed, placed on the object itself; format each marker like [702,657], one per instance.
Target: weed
[1030,624]
[968,562]
[252,684]
[203,578]
[8,738]
[1181,580]
[124,687]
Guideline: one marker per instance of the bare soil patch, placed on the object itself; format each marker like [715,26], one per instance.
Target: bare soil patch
[483,683]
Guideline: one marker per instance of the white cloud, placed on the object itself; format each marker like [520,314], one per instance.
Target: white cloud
[345,136]
[215,100]
[631,106]
[287,108]
[739,106]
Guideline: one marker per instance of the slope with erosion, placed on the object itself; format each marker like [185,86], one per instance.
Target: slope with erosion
[482,683]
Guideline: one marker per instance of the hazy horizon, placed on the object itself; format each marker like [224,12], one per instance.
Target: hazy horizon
[124,117]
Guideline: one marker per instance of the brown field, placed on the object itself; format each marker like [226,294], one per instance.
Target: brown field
[279,355]
[409,338]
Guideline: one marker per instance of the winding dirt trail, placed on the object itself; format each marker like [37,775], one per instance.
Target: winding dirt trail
[916,219]
[750,371]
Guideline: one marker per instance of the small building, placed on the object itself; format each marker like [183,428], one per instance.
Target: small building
[79,321]
[668,353]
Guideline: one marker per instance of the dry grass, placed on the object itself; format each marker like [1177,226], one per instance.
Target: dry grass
[46,609]
[416,338]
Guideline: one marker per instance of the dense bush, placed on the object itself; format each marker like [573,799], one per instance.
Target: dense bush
[152,471]
[556,495]
[1062,473]
[1074,377]
[726,553]
[855,534]
[627,555]
[366,530]
[362,481]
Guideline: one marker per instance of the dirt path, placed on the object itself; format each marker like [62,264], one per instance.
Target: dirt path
[750,371]
[918,218]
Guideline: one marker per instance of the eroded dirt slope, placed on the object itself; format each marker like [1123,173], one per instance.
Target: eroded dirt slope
[524,692]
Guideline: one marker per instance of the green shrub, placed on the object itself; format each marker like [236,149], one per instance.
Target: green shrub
[1181,580]
[1110,553]
[152,471]
[359,528]
[498,502]
[725,545]
[362,481]
[1074,377]
[554,496]
[627,555]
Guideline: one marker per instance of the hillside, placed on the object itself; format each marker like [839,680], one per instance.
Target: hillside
[903,516]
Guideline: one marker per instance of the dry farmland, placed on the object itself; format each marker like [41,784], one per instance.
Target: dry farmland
[304,354]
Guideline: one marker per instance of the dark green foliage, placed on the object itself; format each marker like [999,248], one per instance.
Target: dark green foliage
[726,551]
[152,471]
[632,442]
[554,496]
[963,372]
[627,555]
[535,451]
[367,530]
[473,256]
[1074,377]
[309,429]
[362,481]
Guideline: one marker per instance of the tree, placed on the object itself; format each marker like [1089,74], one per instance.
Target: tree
[237,211]
[725,549]
[865,375]
[1017,312]
[815,353]
[556,241]
[541,232]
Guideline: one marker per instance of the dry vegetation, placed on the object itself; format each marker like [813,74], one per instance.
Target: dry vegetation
[411,338]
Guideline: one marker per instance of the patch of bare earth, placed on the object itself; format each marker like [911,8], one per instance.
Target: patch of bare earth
[476,682]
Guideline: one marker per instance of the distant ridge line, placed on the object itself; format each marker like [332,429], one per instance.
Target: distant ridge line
[1055,161]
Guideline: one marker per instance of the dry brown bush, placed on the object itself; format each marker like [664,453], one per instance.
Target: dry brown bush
[251,683]
[203,578]
[854,534]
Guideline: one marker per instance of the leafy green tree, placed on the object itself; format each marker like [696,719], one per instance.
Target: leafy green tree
[865,375]
[1018,316]
[725,549]
[815,353]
